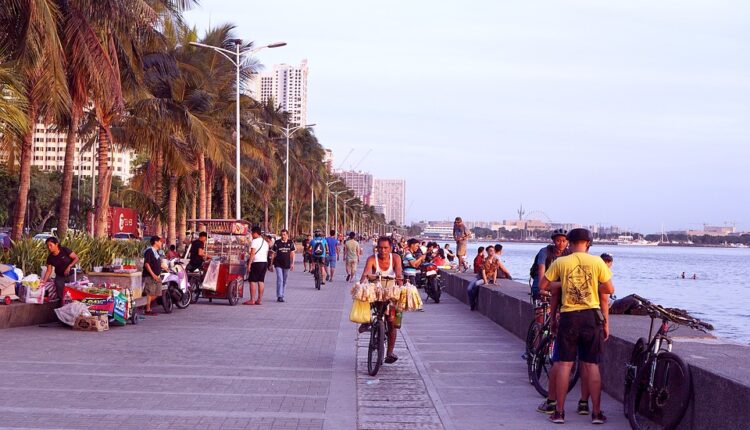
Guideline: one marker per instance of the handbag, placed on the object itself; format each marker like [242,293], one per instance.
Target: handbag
[360,312]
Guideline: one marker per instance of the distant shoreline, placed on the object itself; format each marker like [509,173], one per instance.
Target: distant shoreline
[608,243]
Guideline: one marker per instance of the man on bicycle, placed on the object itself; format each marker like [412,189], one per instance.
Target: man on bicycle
[386,267]
[546,256]
[319,251]
[578,282]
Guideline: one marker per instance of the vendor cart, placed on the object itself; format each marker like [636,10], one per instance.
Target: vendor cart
[228,244]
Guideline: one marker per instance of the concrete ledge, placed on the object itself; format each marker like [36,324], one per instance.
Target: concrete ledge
[19,314]
[720,375]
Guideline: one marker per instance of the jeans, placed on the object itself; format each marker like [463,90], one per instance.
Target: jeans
[281,276]
[473,291]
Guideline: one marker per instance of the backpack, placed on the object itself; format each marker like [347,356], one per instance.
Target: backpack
[317,248]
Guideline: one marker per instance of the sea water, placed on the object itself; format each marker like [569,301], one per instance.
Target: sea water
[719,294]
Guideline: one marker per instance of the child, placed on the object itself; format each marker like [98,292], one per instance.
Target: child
[479,260]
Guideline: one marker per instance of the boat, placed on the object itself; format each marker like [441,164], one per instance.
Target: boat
[630,241]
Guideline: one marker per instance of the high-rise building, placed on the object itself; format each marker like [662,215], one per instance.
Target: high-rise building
[391,193]
[48,153]
[361,183]
[287,86]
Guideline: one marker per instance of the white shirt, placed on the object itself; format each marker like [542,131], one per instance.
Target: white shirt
[261,250]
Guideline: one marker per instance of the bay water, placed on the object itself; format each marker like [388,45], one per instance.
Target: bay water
[719,294]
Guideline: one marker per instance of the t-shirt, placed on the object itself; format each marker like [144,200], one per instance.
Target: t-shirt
[332,244]
[580,274]
[195,259]
[305,242]
[541,258]
[478,261]
[283,252]
[490,266]
[459,231]
[261,250]
[151,258]
[352,250]
[323,246]
[449,254]
[61,261]
[408,270]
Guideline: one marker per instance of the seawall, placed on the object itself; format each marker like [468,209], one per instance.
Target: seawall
[719,371]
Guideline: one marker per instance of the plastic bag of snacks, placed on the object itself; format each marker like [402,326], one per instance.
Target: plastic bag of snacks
[364,292]
[360,312]
[409,300]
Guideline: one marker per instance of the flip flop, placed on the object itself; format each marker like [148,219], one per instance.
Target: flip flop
[249,302]
[258,303]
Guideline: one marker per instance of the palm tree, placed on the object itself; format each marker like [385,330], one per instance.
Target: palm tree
[14,123]
[29,36]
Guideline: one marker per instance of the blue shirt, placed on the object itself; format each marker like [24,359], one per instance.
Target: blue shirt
[332,244]
[324,244]
[408,270]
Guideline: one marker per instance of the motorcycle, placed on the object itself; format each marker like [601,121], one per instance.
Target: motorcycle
[429,279]
[175,284]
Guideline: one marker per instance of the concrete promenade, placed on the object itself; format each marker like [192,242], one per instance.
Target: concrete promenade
[294,365]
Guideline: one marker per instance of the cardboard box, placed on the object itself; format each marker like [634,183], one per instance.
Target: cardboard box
[93,323]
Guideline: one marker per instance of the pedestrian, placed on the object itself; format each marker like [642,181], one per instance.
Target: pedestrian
[500,266]
[258,263]
[283,262]
[461,235]
[172,253]
[479,260]
[333,253]
[412,260]
[353,251]
[306,253]
[449,253]
[62,260]
[487,275]
[150,275]
[198,252]
[580,282]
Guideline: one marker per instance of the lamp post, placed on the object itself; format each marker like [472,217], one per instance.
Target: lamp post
[328,190]
[345,202]
[336,209]
[237,54]
[288,132]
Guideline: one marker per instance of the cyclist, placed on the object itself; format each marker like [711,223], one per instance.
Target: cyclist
[411,260]
[584,281]
[386,267]
[197,252]
[318,248]
[546,256]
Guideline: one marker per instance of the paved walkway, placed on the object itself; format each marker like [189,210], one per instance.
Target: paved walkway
[293,365]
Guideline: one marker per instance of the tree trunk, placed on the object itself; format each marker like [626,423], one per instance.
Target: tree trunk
[24,180]
[105,184]
[225,196]
[265,216]
[158,190]
[209,190]
[66,190]
[193,211]
[172,212]
[181,226]
[202,186]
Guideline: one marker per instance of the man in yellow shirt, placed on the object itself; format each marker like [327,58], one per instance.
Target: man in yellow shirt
[577,282]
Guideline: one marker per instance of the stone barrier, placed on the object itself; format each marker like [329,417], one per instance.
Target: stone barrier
[19,314]
[718,367]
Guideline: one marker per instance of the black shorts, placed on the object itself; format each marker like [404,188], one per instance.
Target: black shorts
[580,334]
[306,257]
[257,272]
[320,260]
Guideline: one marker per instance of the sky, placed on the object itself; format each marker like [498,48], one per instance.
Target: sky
[633,113]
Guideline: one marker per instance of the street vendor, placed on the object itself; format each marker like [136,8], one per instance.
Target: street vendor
[63,260]
[386,267]
[198,252]
[151,272]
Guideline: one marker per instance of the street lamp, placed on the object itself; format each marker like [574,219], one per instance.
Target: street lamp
[288,132]
[328,190]
[336,208]
[237,63]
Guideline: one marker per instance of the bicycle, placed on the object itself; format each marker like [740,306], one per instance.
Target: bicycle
[657,381]
[540,346]
[316,271]
[379,329]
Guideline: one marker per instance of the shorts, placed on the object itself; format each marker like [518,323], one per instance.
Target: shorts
[332,262]
[319,260]
[351,266]
[461,248]
[306,258]
[151,287]
[579,333]
[257,272]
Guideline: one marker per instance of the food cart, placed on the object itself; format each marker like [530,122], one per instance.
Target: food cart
[228,246]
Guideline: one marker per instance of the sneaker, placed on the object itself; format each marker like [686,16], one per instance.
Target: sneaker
[547,406]
[598,418]
[558,417]
[583,407]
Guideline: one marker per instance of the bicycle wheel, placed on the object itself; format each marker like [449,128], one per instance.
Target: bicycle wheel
[316,273]
[637,358]
[195,289]
[663,404]
[376,349]
[532,338]
[540,366]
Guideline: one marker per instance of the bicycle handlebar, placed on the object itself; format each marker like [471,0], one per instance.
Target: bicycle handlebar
[658,311]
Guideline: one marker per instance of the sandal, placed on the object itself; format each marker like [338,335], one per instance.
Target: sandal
[258,303]
[391,359]
[249,302]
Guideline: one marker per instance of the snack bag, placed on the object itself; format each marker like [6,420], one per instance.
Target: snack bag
[360,312]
